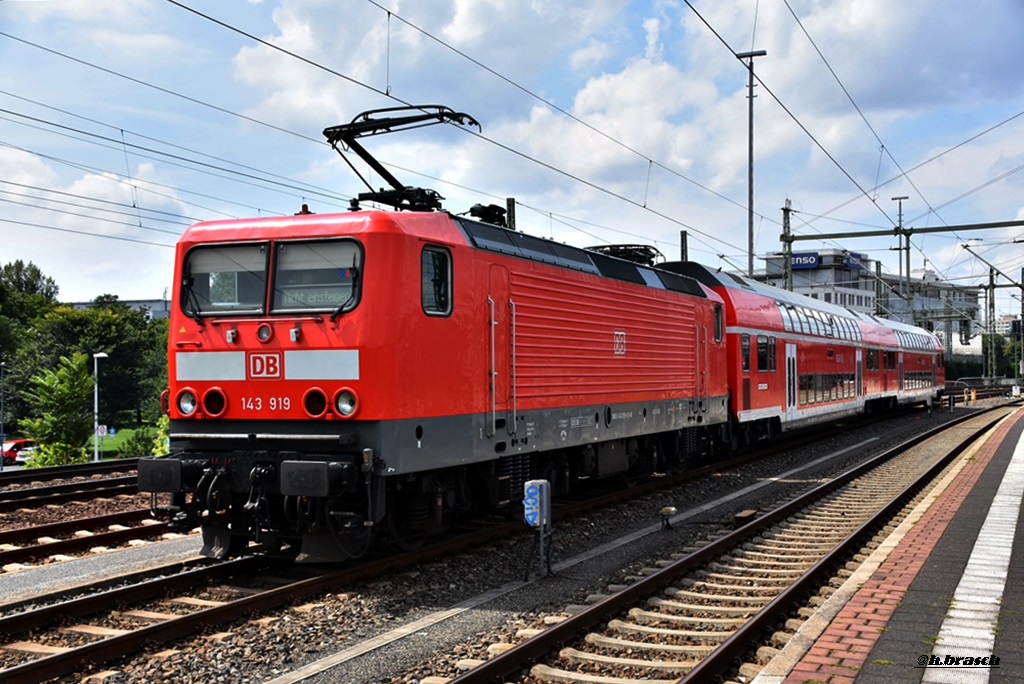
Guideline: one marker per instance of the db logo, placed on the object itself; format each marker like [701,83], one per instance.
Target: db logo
[264,366]
[619,342]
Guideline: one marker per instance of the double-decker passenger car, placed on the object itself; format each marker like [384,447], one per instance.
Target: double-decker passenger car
[794,360]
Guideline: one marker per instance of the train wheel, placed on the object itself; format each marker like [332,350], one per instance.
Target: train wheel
[641,462]
[407,521]
[555,469]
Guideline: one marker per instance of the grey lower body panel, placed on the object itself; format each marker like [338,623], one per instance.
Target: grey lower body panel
[415,445]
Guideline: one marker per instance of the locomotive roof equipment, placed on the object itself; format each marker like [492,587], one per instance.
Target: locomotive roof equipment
[401,197]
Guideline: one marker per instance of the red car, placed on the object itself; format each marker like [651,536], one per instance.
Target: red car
[13,447]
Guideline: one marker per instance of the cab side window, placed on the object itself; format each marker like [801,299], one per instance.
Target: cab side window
[436,281]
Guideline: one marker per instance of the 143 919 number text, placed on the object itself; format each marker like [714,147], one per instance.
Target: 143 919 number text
[270,403]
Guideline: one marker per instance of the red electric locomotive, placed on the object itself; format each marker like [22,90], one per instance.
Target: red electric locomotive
[335,378]
[794,360]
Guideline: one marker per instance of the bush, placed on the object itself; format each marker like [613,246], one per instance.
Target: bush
[57,454]
[139,444]
[161,441]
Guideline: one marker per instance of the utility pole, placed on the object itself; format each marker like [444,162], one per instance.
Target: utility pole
[880,289]
[990,325]
[749,57]
[787,247]
[899,232]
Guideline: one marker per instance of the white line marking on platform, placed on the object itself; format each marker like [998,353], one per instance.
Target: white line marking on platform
[970,624]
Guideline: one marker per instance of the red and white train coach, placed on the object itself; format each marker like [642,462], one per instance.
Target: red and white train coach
[330,374]
[794,360]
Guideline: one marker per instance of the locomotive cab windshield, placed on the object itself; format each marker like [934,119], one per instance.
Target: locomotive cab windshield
[320,275]
[308,276]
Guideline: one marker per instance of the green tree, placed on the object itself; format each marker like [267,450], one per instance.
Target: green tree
[63,425]
[1011,356]
[25,294]
[24,291]
[134,372]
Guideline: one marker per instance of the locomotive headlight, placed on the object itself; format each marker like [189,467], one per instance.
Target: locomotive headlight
[187,402]
[346,403]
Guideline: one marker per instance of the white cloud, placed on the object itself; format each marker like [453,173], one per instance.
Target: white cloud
[651,27]
[649,75]
[590,55]
[123,12]
[24,168]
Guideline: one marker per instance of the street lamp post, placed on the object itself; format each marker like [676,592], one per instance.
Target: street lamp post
[749,56]
[96,404]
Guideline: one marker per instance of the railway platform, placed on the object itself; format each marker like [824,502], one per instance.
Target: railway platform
[942,600]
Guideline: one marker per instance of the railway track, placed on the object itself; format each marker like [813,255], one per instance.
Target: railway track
[37,487]
[33,497]
[77,536]
[697,618]
[62,635]
[55,648]
[141,620]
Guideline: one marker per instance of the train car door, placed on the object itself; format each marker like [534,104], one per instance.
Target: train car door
[860,373]
[900,387]
[791,382]
[500,314]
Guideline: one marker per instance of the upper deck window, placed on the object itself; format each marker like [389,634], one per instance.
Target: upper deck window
[224,279]
[316,275]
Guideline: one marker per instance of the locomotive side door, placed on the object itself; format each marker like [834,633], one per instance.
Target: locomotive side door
[501,346]
[701,356]
[791,381]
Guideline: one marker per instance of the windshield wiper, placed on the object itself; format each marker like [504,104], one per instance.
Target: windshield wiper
[192,299]
[351,297]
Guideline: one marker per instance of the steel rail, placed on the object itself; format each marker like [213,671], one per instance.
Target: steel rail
[13,499]
[75,470]
[507,664]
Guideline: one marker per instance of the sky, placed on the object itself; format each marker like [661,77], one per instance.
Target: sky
[124,121]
